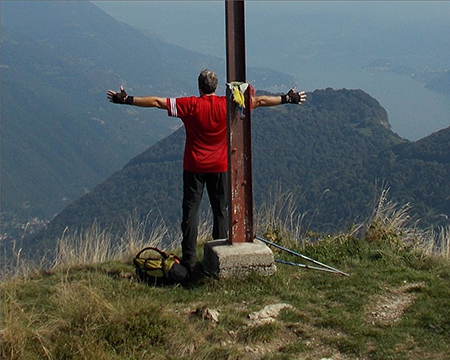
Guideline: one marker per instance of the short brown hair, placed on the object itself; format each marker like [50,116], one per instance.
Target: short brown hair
[207,81]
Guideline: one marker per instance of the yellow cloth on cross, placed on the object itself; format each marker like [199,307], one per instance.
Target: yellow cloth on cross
[238,97]
[237,90]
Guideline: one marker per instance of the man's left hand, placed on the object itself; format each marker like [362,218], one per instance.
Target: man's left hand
[293,97]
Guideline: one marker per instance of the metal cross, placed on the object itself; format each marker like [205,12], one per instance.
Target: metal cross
[239,131]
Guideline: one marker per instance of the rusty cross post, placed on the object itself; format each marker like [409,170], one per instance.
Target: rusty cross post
[239,131]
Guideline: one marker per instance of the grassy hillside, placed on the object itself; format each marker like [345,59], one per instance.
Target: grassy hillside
[394,304]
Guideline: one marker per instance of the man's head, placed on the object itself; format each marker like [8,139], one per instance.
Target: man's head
[207,82]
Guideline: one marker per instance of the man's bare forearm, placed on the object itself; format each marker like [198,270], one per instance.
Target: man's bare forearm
[143,101]
[291,97]
[150,101]
[265,100]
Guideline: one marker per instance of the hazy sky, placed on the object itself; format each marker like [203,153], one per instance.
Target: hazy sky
[192,23]
[323,44]
[200,25]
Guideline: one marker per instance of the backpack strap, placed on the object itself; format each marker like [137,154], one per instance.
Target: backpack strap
[162,253]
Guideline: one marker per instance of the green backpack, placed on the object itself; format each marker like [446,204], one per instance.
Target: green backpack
[155,267]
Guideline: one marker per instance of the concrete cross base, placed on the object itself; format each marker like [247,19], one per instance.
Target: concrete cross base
[240,259]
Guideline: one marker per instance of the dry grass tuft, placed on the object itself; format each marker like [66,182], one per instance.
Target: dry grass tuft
[390,223]
[278,219]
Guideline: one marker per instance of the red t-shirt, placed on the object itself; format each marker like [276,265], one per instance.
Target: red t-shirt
[205,121]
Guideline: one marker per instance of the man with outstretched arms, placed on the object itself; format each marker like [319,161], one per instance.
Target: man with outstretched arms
[205,160]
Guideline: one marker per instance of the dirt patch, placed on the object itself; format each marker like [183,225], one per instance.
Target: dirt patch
[388,308]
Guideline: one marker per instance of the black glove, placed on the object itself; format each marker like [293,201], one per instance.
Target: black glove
[120,98]
[291,97]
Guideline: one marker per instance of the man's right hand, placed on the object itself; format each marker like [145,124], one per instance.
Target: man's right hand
[120,98]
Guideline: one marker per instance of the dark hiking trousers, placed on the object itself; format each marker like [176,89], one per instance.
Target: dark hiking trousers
[217,188]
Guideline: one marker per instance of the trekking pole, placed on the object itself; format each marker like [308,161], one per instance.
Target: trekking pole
[305,266]
[300,255]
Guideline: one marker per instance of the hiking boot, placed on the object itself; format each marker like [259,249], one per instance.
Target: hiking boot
[189,265]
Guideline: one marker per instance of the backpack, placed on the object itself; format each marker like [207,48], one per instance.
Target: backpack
[155,267]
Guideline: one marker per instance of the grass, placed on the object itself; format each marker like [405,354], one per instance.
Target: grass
[394,304]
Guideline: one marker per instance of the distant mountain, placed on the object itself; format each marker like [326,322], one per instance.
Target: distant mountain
[440,83]
[335,152]
[60,136]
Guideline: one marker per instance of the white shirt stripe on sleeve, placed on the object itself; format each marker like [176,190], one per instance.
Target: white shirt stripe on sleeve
[173,107]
